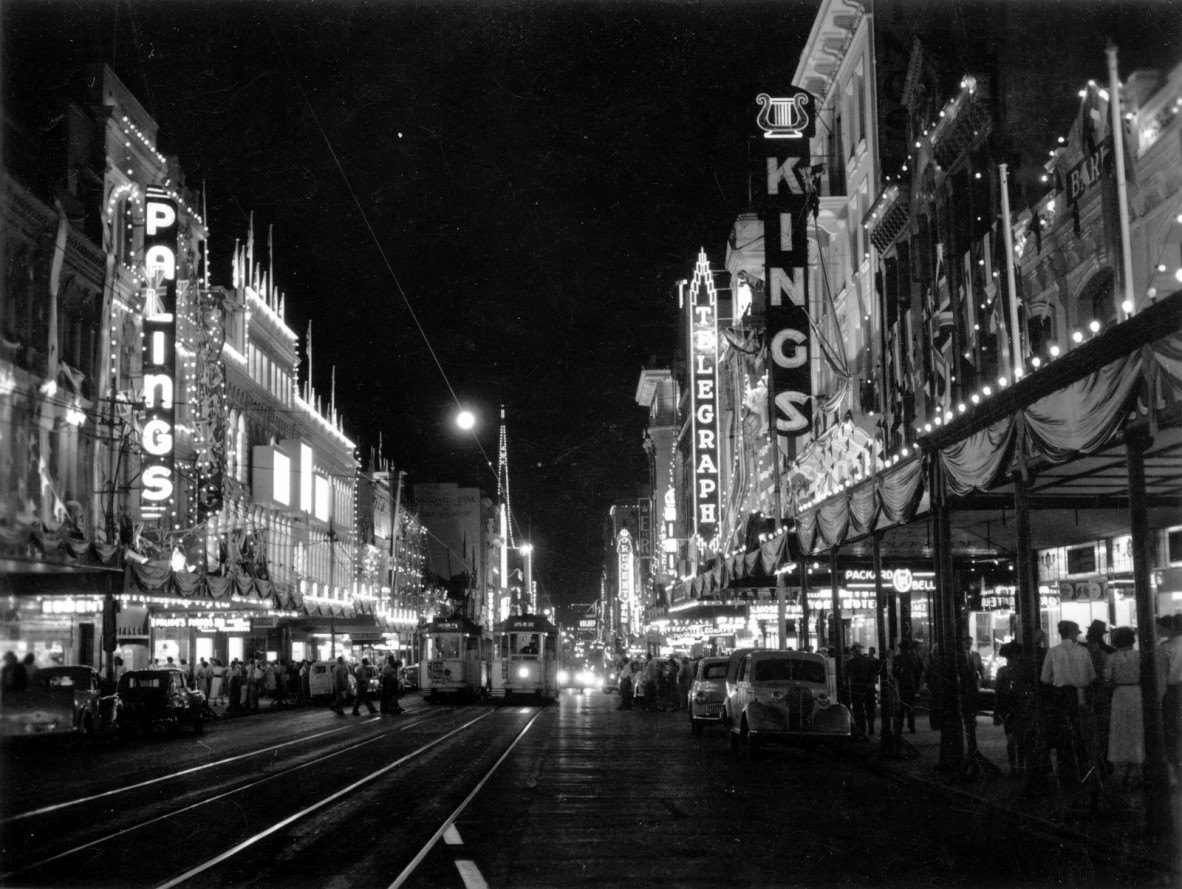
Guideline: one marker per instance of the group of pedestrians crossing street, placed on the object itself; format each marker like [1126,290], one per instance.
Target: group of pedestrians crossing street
[363,673]
[655,684]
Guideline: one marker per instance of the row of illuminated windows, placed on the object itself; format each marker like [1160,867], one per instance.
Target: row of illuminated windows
[270,375]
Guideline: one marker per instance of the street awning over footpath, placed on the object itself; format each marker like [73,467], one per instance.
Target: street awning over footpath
[157,578]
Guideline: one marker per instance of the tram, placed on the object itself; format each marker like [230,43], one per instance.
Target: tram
[455,660]
[525,658]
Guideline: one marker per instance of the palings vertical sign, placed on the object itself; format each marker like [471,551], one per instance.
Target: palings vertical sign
[786,124]
[703,331]
[159,351]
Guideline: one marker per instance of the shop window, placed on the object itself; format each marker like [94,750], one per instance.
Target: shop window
[1081,560]
[1174,545]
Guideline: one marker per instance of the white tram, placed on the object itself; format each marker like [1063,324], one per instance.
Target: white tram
[525,658]
[455,659]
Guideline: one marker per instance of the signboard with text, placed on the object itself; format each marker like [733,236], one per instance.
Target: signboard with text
[703,350]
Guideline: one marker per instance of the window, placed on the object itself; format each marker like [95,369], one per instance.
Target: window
[1174,545]
[714,671]
[1081,560]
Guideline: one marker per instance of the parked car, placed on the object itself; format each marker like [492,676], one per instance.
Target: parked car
[784,697]
[708,693]
[320,681]
[160,698]
[61,700]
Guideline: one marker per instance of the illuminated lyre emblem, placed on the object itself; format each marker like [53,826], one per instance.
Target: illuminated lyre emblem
[785,117]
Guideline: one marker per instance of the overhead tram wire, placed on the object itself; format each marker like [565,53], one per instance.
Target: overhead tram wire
[369,228]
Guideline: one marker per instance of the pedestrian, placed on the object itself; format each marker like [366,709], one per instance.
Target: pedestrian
[31,668]
[969,673]
[361,695]
[1172,701]
[1126,735]
[651,669]
[625,683]
[235,685]
[1068,672]
[217,681]
[305,682]
[14,678]
[862,674]
[389,701]
[672,669]
[203,674]
[908,674]
[1008,703]
[340,685]
[255,677]
[1099,693]
[280,684]
[685,681]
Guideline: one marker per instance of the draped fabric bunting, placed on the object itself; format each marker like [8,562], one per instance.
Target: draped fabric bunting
[892,498]
[758,563]
[1081,418]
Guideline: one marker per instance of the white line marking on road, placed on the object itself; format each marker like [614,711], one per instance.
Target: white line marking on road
[471,874]
[250,841]
[409,869]
[451,836]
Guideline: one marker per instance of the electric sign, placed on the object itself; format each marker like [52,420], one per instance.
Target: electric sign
[787,123]
[703,331]
[158,435]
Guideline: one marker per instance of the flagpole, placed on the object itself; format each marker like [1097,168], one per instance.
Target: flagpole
[1008,235]
[1124,297]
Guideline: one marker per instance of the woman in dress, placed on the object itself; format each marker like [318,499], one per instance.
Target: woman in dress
[1126,744]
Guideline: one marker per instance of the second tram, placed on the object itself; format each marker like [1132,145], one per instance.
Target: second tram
[525,658]
[455,661]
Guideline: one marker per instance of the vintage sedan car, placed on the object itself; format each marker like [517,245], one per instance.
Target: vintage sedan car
[160,698]
[410,677]
[783,697]
[61,700]
[583,680]
[708,693]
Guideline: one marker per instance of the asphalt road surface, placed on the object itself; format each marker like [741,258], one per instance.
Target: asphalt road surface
[515,795]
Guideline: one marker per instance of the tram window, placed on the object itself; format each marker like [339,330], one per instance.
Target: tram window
[528,643]
[445,647]
[551,645]
[472,643]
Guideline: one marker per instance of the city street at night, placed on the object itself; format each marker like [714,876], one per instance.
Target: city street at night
[574,794]
[479,444]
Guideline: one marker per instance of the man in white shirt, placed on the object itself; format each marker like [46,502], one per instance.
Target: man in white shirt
[1068,670]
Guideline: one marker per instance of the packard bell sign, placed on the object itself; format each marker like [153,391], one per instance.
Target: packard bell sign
[159,352]
[703,332]
[787,122]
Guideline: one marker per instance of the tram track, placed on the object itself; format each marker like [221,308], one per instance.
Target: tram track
[313,769]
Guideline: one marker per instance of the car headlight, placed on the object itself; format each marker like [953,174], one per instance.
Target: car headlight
[563,676]
[700,697]
[822,700]
[599,682]
[779,696]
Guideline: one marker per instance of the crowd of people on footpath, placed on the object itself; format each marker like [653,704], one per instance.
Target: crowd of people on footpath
[655,684]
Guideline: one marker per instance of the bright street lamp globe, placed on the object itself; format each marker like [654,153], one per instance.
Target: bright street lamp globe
[465,419]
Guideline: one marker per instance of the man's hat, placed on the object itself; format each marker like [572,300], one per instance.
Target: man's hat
[1097,628]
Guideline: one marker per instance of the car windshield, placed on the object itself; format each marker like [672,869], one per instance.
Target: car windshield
[714,671]
[154,680]
[789,669]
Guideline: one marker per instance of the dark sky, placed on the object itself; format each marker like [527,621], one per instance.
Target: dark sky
[537,175]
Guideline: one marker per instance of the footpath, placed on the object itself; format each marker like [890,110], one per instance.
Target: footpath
[1111,822]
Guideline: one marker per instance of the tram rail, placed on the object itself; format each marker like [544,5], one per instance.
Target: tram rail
[29,867]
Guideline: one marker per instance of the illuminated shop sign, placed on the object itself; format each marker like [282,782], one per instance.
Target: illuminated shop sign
[792,116]
[703,332]
[786,123]
[1004,598]
[157,438]
[624,551]
[70,605]
[206,623]
[901,580]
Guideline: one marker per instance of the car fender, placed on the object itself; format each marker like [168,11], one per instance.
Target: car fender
[833,720]
[766,718]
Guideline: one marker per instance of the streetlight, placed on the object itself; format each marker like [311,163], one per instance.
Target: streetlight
[466,420]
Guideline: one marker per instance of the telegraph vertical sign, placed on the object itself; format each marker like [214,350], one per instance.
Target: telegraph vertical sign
[703,350]
[787,123]
[158,436]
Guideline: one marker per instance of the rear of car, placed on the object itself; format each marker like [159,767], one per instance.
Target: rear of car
[708,693]
[160,699]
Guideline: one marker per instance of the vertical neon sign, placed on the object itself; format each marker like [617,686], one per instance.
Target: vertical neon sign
[627,593]
[159,353]
[703,331]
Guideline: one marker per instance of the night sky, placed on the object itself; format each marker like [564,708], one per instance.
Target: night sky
[537,176]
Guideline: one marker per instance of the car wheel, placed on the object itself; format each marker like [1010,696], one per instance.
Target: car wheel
[696,726]
[734,740]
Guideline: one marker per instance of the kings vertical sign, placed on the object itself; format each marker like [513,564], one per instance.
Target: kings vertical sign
[787,123]
[703,350]
[159,350]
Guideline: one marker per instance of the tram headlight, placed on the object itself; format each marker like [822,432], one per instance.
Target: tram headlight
[563,676]
[523,672]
